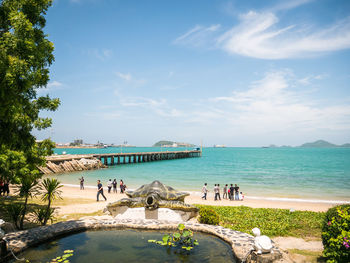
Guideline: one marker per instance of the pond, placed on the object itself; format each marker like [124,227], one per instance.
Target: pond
[128,246]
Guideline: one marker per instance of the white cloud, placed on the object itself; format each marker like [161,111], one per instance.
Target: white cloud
[101,54]
[285,5]
[272,104]
[309,79]
[123,76]
[54,84]
[198,36]
[160,106]
[258,35]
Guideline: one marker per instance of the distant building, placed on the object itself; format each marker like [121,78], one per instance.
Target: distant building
[78,141]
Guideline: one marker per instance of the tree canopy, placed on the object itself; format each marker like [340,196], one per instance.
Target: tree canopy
[25,57]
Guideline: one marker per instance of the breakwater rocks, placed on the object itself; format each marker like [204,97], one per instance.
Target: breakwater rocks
[70,163]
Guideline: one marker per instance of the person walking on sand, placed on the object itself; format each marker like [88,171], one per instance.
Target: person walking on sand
[114,184]
[225,192]
[236,192]
[81,183]
[204,191]
[109,185]
[100,190]
[232,189]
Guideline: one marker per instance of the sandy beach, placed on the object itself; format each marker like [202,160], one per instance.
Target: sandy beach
[90,205]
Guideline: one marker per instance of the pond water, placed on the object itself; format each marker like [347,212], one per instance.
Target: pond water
[128,246]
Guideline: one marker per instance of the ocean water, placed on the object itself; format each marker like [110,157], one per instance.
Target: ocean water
[302,173]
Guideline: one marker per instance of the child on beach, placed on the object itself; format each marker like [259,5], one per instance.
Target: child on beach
[241,196]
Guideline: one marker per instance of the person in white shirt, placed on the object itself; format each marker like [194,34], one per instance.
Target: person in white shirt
[204,191]
[109,185]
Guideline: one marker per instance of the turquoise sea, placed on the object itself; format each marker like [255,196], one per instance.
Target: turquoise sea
[303,173]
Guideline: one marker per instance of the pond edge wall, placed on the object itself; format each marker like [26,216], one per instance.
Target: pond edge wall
[240,242]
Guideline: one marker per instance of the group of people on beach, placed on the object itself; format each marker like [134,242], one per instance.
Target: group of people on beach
[4,188]
[110,185]
[231,192]
[113,184]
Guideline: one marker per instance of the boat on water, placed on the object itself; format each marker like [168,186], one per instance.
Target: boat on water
[219,146]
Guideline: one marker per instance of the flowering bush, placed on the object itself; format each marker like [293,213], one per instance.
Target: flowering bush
[336,234]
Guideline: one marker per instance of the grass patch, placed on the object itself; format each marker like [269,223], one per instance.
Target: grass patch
[76,216]
[37,202]
[310,256]
[272,222]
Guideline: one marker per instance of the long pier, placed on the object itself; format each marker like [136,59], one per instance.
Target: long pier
[140,157]
[80,162]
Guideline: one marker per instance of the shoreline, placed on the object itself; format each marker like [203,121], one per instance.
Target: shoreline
[249,197]
[194,198]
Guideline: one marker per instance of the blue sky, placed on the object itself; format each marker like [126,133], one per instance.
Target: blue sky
[239,73]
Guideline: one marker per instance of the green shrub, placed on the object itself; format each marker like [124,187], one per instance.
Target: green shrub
[14,211]
[208,216]
[41,215]
[336,234]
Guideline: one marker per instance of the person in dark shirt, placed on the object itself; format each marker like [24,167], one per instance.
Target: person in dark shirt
[232,189]
[114,186]
[100,190]
[236,192]
[82,183]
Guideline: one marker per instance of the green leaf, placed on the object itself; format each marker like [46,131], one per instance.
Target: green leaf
[181,227]
[165,238]
[186,233]
[152,241]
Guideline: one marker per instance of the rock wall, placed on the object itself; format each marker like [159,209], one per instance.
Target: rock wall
[72,165]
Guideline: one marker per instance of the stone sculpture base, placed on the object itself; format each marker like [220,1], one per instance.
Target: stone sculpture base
[124,212]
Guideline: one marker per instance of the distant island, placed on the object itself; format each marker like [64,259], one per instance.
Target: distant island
[172,144]
[316,144]
[323,144]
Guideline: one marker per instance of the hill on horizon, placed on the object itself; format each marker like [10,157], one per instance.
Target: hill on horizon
[171,143]
[323,144]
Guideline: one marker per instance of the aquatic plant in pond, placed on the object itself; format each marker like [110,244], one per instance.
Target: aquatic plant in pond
[64,258]
[182,240]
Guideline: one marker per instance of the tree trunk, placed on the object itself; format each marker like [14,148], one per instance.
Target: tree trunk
[23,213]
[47,212]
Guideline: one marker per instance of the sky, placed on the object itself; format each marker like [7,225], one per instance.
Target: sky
[239,73]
